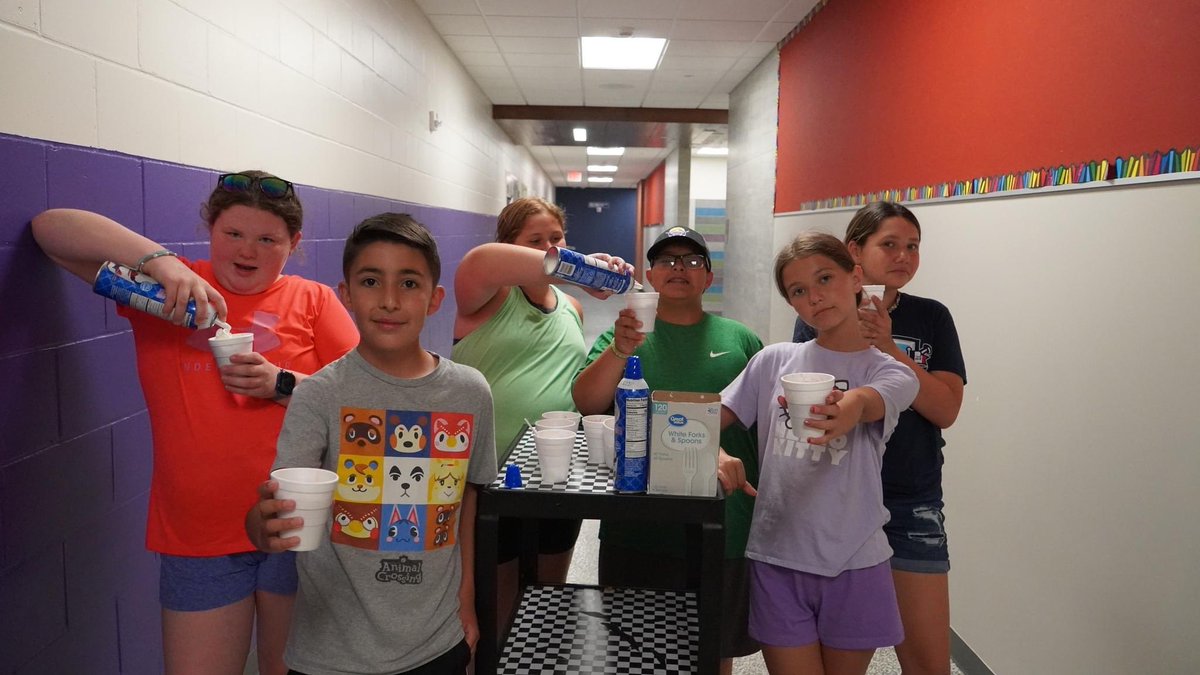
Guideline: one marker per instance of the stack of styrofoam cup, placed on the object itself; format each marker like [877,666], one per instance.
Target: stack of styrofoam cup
[803,390]
[554,448]
[312,490]
[593,431]
[557,423]
[562,415]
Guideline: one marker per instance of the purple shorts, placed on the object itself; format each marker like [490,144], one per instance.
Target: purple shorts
[188,584]
[854,610]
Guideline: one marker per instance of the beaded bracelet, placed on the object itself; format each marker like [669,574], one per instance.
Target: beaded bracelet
[619,354]
[151,256]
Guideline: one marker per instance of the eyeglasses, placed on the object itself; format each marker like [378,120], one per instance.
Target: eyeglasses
[691,261]
[275,188]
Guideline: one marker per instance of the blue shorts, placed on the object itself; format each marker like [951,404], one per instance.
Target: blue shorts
[854,610]
[917,534]
[187,584]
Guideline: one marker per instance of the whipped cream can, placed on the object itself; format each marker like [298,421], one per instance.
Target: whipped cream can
[126,286]
[584,270]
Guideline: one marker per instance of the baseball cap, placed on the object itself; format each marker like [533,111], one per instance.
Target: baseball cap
[679,234]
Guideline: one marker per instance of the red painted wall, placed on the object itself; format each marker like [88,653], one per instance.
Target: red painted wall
[654,191]
[876,95]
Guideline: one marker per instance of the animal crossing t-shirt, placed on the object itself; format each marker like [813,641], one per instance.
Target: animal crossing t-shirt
[213,448]
[380,595]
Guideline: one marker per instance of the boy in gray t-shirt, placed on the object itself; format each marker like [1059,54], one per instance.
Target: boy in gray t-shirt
[411,437]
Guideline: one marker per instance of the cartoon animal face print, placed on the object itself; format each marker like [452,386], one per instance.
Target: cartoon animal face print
[406,481]
[363,434]
[443,525]
[447,482]
[408,440]
[406,529]
[359,479]
[451,435]
[355,522]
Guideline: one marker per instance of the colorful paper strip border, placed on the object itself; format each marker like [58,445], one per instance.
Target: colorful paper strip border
[1134,166]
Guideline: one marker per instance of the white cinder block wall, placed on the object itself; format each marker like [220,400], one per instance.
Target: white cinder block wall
[330,93]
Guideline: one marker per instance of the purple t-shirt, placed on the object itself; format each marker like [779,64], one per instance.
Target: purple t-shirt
[819,508]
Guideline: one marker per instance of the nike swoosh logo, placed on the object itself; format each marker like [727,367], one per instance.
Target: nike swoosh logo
[713,355]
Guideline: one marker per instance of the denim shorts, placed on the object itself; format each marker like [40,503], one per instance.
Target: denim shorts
[917,534]
[187,584]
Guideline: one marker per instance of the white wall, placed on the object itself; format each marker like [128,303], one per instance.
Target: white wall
[708,177]
[331,93]
[749,252]
[1072,474]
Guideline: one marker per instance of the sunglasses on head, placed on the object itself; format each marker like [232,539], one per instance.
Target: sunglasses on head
[275,188]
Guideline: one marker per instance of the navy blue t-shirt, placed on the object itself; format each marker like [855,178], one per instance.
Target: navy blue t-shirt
[912,465]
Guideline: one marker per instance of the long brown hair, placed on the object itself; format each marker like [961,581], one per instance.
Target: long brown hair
[866,221]
[512,218]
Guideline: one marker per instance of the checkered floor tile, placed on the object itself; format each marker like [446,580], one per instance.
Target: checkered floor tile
[593,631]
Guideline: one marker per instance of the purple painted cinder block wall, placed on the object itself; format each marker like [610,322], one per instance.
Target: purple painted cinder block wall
[78,590]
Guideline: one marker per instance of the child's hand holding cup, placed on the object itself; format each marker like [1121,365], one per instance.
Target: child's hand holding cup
[802,391]
[871,291]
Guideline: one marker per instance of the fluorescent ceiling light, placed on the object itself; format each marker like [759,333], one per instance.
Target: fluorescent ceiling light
[602,168]
[600,179]
[622,53]
[574,176]
[580,134]
[604,152]
[713,151]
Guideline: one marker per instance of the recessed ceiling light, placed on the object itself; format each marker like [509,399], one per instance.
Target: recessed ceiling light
[580,134]
[602,168]
[600,179]
[574,176]
[713,151]
[604,152]
[622,53]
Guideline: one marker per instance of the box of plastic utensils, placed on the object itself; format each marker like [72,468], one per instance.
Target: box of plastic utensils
[685,433]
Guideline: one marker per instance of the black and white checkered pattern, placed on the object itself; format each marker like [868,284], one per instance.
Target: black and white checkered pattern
[584,477]
[594,631]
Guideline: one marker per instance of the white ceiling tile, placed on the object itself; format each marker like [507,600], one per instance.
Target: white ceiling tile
[532,27]
[604,99]
[523,45]
[480,58]
[737,31]
[660,28]
[455,24]
[554,97]
[527,8]
[716,102]
[677,48]
[697,64]
[471,43]
[432,7]
[606,79]
[759,49]
[629,9]
[505,96]
[656,99]
[549,76]
[498,74]
[723,10]
[774,32]
[747,63]
[546,60]
[796,10]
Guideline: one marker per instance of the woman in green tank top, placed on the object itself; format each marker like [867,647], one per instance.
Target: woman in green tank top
[526,337]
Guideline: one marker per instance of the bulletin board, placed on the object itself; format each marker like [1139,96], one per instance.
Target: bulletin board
[917,99]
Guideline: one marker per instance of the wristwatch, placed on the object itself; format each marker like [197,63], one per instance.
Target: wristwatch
[285,382]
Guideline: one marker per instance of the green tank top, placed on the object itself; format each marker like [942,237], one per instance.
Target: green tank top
[529,358]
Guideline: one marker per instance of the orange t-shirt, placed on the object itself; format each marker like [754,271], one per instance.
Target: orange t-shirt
[212,448]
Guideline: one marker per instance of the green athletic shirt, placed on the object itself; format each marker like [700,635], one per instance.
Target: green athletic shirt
[529,358]
[703,357]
